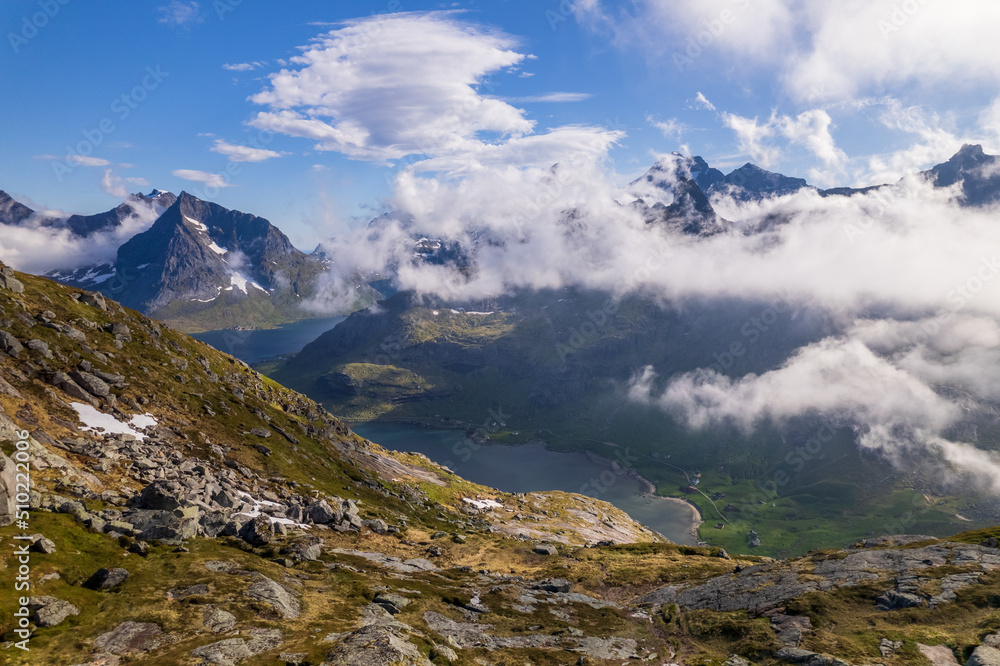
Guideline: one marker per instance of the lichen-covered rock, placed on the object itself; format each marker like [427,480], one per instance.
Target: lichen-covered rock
[105,579]
[376,645]
[274,595]
[234,650]
[50,611]
[129,637]
[984,655]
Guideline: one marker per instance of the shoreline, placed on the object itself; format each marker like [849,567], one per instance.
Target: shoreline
[697,520]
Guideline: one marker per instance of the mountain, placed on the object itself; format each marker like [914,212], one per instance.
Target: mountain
[11,211]
[202,267]
[186,510]
[750,183]
[136,207]
[978,172]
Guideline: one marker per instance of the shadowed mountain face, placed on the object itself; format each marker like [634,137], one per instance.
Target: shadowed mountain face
[12,211]
[198,256]
[137,205]
[978,172]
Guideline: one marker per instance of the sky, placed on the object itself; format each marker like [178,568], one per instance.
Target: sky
[320,116]
[307,112]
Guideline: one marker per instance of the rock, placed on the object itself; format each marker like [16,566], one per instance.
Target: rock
[993,640]
[129,637]
[559,585]
[121,332]
[444,652]
[9,282]
[378,526]
[889,648]
[294,658]
[232,650]
[375,645]
[791,628]
[263,433]
[736,660]
[49,611]
[91,384]
[218,621]
[546,549]
[258,532]
[40,347]
[307,548]
[267,591]
[392,602]
[893,600]
[95,300]
[139,548]
[322,513]
[938,655]
[9,344]
[179,593]
[43,545]
[105,579]
[984,655]
[63,381]
[8,490]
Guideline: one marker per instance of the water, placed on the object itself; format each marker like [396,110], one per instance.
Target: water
[532,467]
[255,346]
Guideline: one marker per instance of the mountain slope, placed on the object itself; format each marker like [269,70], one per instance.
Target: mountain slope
[247,526]
[12,211]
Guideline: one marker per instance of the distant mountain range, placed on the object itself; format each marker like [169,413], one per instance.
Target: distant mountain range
[199,267]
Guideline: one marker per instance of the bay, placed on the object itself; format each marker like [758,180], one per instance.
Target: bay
[532,467]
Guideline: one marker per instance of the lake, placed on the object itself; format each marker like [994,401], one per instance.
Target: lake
[255,346]
[532,467]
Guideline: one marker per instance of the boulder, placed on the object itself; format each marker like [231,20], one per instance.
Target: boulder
[233,650]
[984,655]
[160,496]
[129,637]
[938,655]
[50,611]
[91,384]
[277,597]
[376,644]
[545,549]
[9,344]
[322,513]
[9,282]
[105,579]
[258,532]
[95,300]
[218,621]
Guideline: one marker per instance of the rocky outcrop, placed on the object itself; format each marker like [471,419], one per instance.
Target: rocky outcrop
[766,586]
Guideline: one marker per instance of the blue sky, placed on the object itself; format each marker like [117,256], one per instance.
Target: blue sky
[173,94]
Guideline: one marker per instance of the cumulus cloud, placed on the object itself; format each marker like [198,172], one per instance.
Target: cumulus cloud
[820,51]
[238,153]
[671,128]
[413,84]
[702,102]
[40,244]
[809,130]
[207,179]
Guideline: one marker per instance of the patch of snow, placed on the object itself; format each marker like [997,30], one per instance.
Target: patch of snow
[208,300]
[146,420]
[239,282]
[103,278]
[436,312]
[105,424]
[254,284]
[483,504]
[195,223]
[255,511]
[216,249]
[139,268]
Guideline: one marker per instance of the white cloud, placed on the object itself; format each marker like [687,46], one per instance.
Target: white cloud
[751,137]
[207,179]
[179,13]
[118,186]
[700,101]
[820,51]
[238,153]
[413,84]
[81,160]
[553,97]
[671,128]
[243,66]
